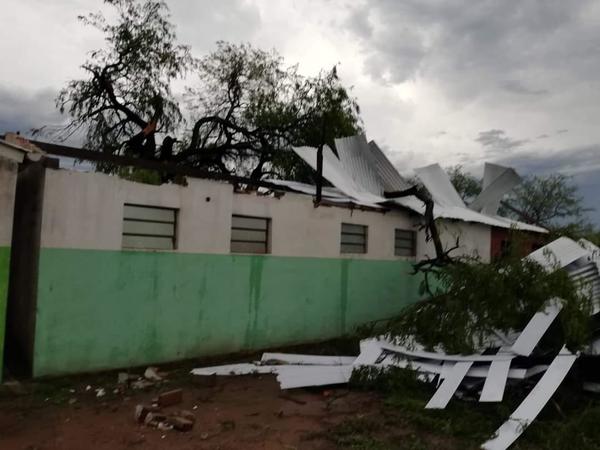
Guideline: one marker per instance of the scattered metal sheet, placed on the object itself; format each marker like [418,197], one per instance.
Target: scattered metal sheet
[536,328]
[235,369]
[363,173]
[498,181]
[559,253]
[443,356]
[449,386]
[315,360]
[528,410]
[305,376]
[440,187]
[495,382]
[370,352]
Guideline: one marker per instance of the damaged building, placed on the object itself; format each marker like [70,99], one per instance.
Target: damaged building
[109,273]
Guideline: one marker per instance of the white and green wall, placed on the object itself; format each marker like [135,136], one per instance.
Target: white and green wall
[99,306]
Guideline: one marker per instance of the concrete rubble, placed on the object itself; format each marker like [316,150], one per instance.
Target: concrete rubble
[506,361]
[157,414]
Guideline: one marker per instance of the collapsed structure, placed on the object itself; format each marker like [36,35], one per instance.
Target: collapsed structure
[108,273]
[504,359]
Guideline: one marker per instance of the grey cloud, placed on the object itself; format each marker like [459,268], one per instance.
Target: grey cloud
[472,48]
[22,111]
[581,163]
[201,23]
[359,22]
[564,130]
[542,136]
[516,87]
[498,140]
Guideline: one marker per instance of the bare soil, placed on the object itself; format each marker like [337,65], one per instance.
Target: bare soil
[246,412]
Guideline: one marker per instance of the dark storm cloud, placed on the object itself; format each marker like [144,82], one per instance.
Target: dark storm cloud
[516,87]
[498,140]
[21,110]
[582,163]
[471,47]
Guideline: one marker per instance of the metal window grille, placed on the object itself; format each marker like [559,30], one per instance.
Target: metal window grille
[249,234]
[405,243]
[353,239]
[149,227]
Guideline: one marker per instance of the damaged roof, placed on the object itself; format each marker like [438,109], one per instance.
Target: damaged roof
[363,174]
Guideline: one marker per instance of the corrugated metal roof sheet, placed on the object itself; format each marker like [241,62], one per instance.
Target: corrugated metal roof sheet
[437,182]
[363,173]
[497,181]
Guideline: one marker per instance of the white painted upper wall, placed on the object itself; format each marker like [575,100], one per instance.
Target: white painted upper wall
[8,182]
[474,239]
[85,210]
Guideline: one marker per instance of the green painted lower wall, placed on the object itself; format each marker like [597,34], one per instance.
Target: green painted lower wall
[109,309]
[4,271]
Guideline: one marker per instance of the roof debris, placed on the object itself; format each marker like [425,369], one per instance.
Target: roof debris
[508,357]
[362,174]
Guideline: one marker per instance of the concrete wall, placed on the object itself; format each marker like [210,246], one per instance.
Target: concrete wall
[85,211]
[8,180]
[101,307]
[473,239]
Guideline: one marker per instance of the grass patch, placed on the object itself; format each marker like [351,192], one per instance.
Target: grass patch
[569,421]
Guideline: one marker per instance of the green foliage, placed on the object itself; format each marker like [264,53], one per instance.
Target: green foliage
[356,434]
[473,299]
[467,186]
[551,200]
[129,83]
[140,175]
[262,107]
[406,397]
[246,111]
[569,421]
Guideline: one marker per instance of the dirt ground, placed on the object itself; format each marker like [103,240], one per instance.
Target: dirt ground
[247,412]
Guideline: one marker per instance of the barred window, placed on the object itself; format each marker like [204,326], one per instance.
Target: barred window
[353,238]
[149,227]
[405,242]
[249,234]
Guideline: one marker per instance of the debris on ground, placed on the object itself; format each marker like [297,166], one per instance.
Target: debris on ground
[152,374]
[170,398]
[157,417]
[508,359]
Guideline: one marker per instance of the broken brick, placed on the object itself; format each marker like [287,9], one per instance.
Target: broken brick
[170,398]
[187,415]
[153,419]
[142,411]
[180,423]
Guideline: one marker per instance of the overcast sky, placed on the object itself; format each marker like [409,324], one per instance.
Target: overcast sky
[454,82]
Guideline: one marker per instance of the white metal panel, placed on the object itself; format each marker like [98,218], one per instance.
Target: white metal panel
[536,328]
[449,386]
[505,178]
[304,376]
[317,360]
[440,187]
[495,382]
[559,253]
[370,351]
[528,410]
[443,356]
[235,369]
